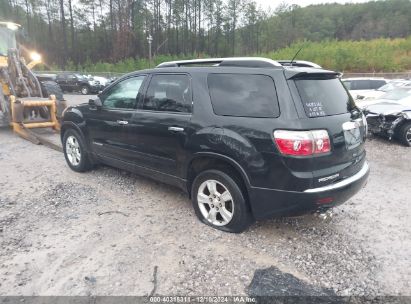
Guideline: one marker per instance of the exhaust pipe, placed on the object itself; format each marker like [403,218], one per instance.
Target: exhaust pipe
[325,215]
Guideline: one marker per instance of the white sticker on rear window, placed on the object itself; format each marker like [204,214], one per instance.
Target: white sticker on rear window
[322,97]
[315,109]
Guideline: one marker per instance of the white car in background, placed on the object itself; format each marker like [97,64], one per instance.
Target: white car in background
[391,117]
[361,85]
[102,80]
[398,95]
[377,93]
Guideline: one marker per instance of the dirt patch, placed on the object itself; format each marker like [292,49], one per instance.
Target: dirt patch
[106,231]
[273,282]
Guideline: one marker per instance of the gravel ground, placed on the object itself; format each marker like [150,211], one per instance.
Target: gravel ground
[108,232]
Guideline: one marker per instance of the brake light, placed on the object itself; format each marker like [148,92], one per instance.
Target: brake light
[325,200]
[302,143]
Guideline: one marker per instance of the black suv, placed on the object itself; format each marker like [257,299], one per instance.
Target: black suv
[72,82]
[246,138]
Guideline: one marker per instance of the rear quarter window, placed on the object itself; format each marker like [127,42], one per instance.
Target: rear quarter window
[243,95]
[324,97]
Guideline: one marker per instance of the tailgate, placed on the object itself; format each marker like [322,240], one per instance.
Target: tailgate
[324,104]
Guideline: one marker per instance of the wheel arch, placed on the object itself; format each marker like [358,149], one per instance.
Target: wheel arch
[210,160]
[67,125]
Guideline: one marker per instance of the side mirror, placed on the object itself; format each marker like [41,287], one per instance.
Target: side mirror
[95,104]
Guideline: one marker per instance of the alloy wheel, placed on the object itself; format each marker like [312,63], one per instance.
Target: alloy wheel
[215,202]
[408,135]
[73,150]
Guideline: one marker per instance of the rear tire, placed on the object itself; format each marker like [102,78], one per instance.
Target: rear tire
[75,151]
[219,202]
[404,133]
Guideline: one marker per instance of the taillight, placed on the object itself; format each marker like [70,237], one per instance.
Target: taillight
[302,143]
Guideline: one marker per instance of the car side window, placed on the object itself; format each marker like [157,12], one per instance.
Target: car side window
[124,94]
[169,93]
[243,95]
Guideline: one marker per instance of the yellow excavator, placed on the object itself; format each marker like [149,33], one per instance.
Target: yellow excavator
[25,102]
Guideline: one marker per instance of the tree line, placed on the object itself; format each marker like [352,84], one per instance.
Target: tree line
[83,32]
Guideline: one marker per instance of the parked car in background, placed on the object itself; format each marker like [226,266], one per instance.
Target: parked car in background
[393,96]
[377,93]
[112,79]
[74,82]
[102,80]
[246,138]
[391,117]
[359,86]
[46,77]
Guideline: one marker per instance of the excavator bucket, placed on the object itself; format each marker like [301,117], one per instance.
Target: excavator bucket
[23,126]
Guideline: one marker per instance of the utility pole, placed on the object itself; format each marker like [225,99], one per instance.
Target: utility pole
[150,40]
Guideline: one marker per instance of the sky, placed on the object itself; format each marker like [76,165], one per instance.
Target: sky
[274,3]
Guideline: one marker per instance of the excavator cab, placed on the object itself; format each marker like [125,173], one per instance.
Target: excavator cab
[25,102]
[7,42]
[7,37]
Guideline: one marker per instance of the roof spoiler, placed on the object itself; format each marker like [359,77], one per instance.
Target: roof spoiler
[311,73]
[299,63]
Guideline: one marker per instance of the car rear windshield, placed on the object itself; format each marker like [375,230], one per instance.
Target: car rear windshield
[324,97]
[243,95]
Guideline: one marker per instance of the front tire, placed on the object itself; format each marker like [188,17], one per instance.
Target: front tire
[75,151]
[85,90]
[404,134]
[219,202]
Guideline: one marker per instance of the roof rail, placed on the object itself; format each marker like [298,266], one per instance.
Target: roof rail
[251,62]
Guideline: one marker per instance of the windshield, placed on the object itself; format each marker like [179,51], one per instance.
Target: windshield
[393,85]
[324,97]
[7,40]
[386,88]
[397,94]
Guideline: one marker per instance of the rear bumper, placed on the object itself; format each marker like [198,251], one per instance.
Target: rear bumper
[267,203]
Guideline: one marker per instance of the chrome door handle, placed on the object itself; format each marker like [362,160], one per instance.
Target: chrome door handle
[176,129]
[122,122]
